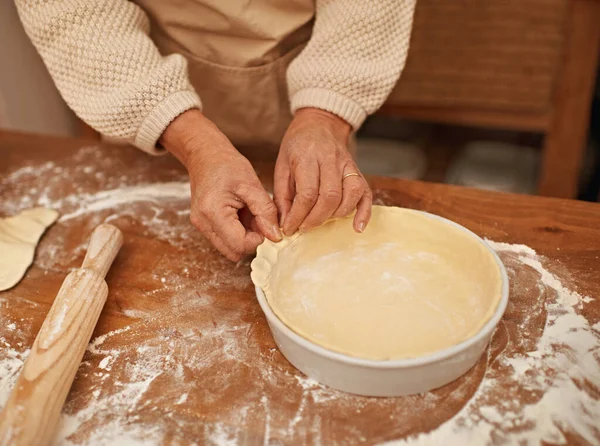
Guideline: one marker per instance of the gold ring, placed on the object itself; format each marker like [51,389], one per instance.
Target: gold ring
[351,174]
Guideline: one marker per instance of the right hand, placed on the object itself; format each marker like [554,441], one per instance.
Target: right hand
[228,203]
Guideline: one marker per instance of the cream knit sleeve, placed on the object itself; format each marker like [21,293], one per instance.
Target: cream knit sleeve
[106,67]
[354,57]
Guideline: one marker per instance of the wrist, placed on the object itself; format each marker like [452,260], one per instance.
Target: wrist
[186,135]
[323,118]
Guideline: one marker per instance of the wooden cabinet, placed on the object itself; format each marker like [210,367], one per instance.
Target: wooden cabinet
[514,64]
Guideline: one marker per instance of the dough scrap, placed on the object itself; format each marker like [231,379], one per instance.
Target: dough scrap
[410,285]
[19,236]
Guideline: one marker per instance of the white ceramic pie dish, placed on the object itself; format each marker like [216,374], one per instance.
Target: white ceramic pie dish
[386,377]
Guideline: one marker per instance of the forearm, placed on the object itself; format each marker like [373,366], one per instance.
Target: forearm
[107,68]
[191,136]
[354,57]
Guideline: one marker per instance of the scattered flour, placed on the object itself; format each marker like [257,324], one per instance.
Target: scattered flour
[566,359]
[565,356]
[110,199]
[105,363]
[555,376]
[516,248]
[91,166]
[529,392]
[94,345]
[11,362]
[160,206]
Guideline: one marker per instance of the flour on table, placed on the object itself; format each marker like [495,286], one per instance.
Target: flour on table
[11,363]
[140,384]
[161,207]
[105,363]
[79,202]
[566,356]
[113,198]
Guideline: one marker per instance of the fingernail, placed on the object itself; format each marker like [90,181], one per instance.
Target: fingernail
[276,233]
[361,227]
[302,229]
[281,220]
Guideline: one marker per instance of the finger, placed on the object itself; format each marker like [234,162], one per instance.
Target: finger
[249,245]
[223,248]
[248,220]
[330,197]
[306,178]
[251,241]
[231,230]
[225,224]
[262,207]
[283,190]
[234,235]
[206,229]
[363,211]
[353,190]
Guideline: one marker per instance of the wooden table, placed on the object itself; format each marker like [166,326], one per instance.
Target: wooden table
[187,355]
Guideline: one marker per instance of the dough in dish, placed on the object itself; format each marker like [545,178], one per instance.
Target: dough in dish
[410,285]
[19,235]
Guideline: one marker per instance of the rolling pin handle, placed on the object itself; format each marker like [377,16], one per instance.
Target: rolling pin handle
[105,242]
[32,411]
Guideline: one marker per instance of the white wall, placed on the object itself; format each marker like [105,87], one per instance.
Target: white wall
[29,102]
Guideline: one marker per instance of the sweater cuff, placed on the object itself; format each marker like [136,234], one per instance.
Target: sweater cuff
[328,100]
[156,122]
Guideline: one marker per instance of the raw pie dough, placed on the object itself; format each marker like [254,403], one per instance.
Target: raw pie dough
[408,286]
[19,235]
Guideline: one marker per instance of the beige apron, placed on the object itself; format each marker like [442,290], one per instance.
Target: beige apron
[238,53]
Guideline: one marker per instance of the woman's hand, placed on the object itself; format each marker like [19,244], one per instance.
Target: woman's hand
[309,174]
[228,203]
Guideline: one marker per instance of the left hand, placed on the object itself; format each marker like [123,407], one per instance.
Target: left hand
[309,174]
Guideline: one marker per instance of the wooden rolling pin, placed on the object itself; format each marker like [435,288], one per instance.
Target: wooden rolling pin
[32,412]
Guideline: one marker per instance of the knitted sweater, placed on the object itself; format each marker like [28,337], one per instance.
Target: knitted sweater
[111,74]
